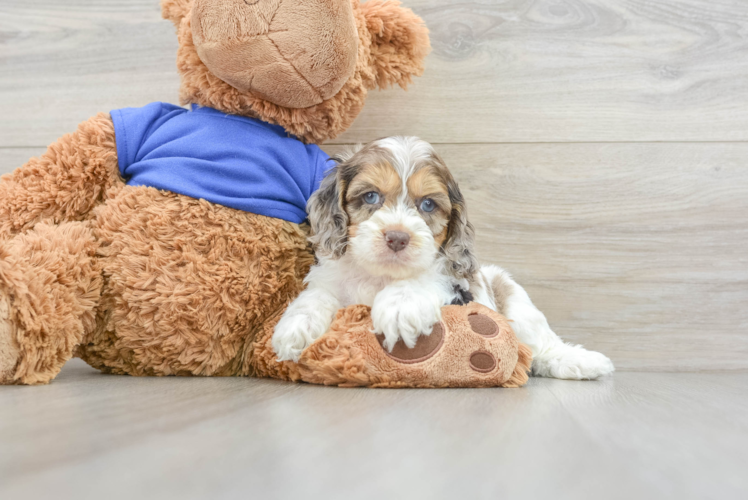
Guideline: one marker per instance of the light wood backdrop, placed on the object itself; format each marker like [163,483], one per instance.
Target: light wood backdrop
[601,144]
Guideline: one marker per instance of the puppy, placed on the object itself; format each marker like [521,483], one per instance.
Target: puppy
[390,230]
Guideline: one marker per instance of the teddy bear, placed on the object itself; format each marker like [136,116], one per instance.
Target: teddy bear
[168,240]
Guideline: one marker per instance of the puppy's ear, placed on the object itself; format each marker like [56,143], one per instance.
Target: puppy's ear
[400,42]
[459,246]
[328,219]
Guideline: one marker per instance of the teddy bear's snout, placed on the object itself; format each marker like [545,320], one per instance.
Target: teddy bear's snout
[254,44]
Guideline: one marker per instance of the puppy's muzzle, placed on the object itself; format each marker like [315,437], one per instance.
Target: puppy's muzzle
[397,240]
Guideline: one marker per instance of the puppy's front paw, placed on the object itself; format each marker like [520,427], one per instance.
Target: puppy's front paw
[572,362]
[295,332]
[401,317]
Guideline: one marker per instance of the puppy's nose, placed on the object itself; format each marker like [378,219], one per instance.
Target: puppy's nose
[396,240]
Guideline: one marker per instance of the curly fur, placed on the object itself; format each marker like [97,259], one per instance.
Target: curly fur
[329,221]
[458,248]
[400,43]
[187,281]
[53,281]
[74,175]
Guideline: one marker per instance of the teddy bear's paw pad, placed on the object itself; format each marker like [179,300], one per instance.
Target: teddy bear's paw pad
[426,346]
[483,325]
[482,361]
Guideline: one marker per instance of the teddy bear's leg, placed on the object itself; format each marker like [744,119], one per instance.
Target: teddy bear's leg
[190,284]
[74,175]
[552,357]
[49,288]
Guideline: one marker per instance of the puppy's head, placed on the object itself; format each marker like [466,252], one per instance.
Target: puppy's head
[394,207]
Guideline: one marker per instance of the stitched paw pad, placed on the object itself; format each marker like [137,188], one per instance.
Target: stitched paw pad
[426,346]
[480,360]
[471,346]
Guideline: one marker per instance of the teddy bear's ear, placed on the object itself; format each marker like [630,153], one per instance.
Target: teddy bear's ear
[175,10]
[400,42]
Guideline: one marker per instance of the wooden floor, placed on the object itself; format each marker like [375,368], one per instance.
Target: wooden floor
[636,435]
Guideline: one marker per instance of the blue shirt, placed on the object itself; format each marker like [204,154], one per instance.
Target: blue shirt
[230,160]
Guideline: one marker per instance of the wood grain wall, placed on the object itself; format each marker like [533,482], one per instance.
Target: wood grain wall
[602,146]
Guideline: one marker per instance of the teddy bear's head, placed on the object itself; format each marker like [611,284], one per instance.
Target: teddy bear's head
[303,64]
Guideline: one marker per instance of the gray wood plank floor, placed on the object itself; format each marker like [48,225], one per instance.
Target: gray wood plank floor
[635,435]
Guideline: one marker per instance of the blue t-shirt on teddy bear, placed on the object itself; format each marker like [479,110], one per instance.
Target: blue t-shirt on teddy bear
[230,160]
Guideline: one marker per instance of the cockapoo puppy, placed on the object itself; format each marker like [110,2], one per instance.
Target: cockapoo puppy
[390,230]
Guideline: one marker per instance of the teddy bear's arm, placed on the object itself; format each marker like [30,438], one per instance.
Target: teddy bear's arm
[65,183]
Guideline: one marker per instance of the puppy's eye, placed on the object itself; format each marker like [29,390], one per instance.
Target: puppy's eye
[428,205]
[372,197]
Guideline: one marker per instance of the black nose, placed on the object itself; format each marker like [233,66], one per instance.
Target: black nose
[396,240]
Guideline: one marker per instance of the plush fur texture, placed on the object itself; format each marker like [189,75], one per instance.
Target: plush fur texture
[53,280]
[400,42]
[188,284]
[73,176]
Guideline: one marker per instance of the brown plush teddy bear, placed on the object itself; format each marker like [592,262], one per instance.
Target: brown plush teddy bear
[168,241]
